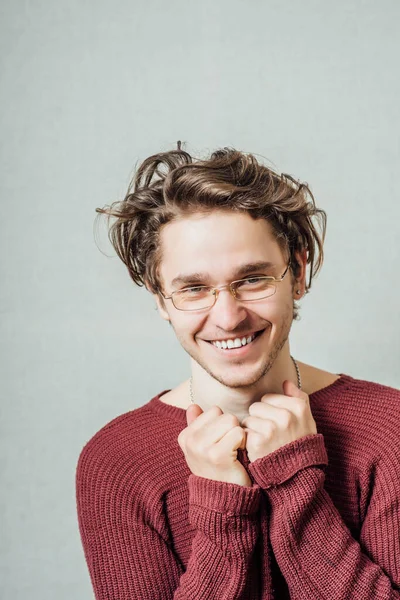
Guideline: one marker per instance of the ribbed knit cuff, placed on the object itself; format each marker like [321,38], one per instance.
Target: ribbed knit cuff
[226,513]
[223,497]
[284,463]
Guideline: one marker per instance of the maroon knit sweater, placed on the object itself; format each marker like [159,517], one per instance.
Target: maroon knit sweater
[321,521]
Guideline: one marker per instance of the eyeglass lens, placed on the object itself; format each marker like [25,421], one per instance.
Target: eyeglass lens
[197,298]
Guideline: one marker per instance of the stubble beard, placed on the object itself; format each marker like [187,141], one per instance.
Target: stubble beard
[253,378]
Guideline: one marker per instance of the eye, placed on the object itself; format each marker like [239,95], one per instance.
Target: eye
[194,290]
[252,280]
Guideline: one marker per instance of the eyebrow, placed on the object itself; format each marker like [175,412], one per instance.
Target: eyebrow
[183,278]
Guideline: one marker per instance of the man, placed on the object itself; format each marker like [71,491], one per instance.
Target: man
[260,476]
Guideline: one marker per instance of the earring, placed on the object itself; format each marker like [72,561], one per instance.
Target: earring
[298,292]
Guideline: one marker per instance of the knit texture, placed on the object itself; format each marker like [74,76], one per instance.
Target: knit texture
[321,520]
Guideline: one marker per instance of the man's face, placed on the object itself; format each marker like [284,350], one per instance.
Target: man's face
[217,245]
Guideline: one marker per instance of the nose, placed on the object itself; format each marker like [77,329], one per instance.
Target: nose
[227,312]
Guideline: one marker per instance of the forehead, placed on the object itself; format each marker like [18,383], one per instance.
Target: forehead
[216,243]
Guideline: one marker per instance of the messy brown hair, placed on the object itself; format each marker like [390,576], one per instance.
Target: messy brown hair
[171,185]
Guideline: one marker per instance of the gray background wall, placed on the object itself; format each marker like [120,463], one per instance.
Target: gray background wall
[89,88]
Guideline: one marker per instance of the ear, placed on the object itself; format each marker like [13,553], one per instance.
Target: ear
[300,281]
[161,307]
[159,300]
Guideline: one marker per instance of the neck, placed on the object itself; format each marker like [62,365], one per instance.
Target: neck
[208,391]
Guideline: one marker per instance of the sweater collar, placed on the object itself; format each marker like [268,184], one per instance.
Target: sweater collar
[179,414]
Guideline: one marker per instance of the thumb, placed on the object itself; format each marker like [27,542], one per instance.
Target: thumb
[243,443]
[291,389]
[192,412]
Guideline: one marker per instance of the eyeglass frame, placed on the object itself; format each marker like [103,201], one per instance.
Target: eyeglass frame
[215,290]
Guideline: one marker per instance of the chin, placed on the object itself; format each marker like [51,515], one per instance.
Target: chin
[239,377]
[245,375]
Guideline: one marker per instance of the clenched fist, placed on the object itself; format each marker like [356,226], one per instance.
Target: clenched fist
[210,443]
[278,420]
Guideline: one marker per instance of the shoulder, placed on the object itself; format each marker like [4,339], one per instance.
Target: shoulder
[123,450]
[118,434]
[362,415]
[351,391]
[372,394]
[378,406]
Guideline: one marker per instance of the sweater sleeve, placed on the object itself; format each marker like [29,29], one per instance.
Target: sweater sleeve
[313,547]
[129,555]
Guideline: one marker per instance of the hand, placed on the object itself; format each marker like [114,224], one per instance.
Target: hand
[277,420]
[210,443]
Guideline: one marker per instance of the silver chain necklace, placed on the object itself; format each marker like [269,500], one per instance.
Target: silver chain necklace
[294,362]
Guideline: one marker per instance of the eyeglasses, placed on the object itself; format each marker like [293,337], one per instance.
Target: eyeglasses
[200,297]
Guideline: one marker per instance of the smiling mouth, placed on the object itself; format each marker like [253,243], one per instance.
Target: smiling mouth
[238,342]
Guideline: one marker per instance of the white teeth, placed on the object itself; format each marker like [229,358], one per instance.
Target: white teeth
[236,343]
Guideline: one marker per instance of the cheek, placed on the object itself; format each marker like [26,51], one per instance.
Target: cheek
[275,309]
[187,326]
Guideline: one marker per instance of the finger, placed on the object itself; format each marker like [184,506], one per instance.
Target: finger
[204,417]
[293,404]
[193,412]
[232,440]
[279,399]
[215,431]
[255,424]
[244,441]
[291,389]
[273,409]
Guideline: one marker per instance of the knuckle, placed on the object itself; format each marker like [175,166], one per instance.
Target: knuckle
[238,429]
[270,426]
[251,410]
[230,419]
